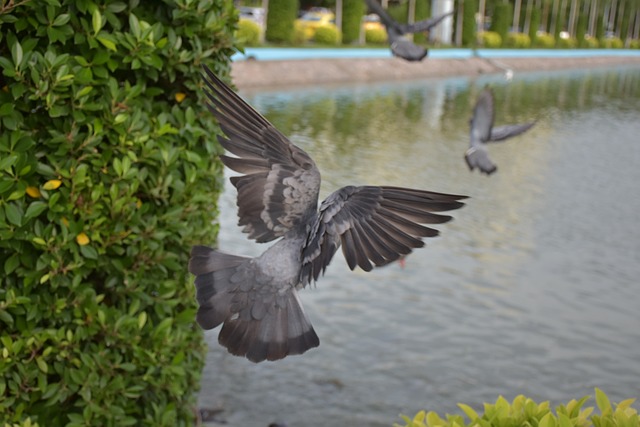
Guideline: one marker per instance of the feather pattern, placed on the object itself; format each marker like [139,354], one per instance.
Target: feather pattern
[373,224]
[274,165]
[256,299]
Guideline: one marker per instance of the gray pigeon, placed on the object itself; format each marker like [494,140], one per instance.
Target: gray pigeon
[400,46]
[256,299]
[482,132]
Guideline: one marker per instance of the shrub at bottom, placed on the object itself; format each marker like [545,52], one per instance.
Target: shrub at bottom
[523,411]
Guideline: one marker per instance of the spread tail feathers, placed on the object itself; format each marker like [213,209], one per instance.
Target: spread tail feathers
[260,322]
[478,157]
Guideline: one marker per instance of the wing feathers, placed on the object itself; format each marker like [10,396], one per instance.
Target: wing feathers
[247,166]
[374,225]
[274,167]
[424,25]
[500,133]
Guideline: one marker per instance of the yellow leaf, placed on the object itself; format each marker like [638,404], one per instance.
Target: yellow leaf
[82,239]
[52,184]
[180,96]
[33,192]
[138,203]
[5,88]
[625,404]
[65,221]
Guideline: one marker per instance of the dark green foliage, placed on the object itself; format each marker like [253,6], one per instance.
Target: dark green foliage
[280,21]
[352,12]
[534,24]
[501,19]
[624,23]
[560,23]
[600,26]
[469,23]
[581,29]
[308,4]
[107,177]
[423,11]
[399,12]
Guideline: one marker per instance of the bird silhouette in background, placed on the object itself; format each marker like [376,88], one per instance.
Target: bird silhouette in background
[483,132]
[400,46]
[256,299]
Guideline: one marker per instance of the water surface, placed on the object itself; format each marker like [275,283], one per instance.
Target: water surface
[532,289]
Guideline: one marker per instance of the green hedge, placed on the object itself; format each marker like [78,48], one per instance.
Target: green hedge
[590,43]
[107,177]
[376,36]
[534,25]
[423,11]
[523,411]
[612,43]
[327,34]
[545,41]
[518,41]
[248,33]
[600,26]
[352,12]
[280,21]
[568,43]
[502,18]
[581,29]
[490,39]
[469,23]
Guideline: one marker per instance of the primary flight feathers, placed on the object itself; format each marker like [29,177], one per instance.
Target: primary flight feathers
[255,299]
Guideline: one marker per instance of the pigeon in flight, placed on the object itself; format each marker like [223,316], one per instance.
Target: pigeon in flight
[482,132]
[400,46]
[256,299]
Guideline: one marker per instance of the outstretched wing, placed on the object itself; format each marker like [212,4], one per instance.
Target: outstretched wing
[482,120]
[500,133]
[281,182]
[374,225]
[387,20]
[424,25]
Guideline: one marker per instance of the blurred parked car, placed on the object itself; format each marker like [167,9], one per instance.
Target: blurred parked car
[254,14]
[312,20]
[372,22]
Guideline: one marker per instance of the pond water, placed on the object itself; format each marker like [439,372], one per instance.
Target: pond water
[532,289]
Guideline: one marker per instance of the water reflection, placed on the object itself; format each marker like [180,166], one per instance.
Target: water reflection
[532,289]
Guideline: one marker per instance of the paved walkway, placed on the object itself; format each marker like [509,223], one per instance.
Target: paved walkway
[293,53]
[290,67]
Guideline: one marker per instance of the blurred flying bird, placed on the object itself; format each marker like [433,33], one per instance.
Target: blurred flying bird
[482,132]
[400,46]
[256,299]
